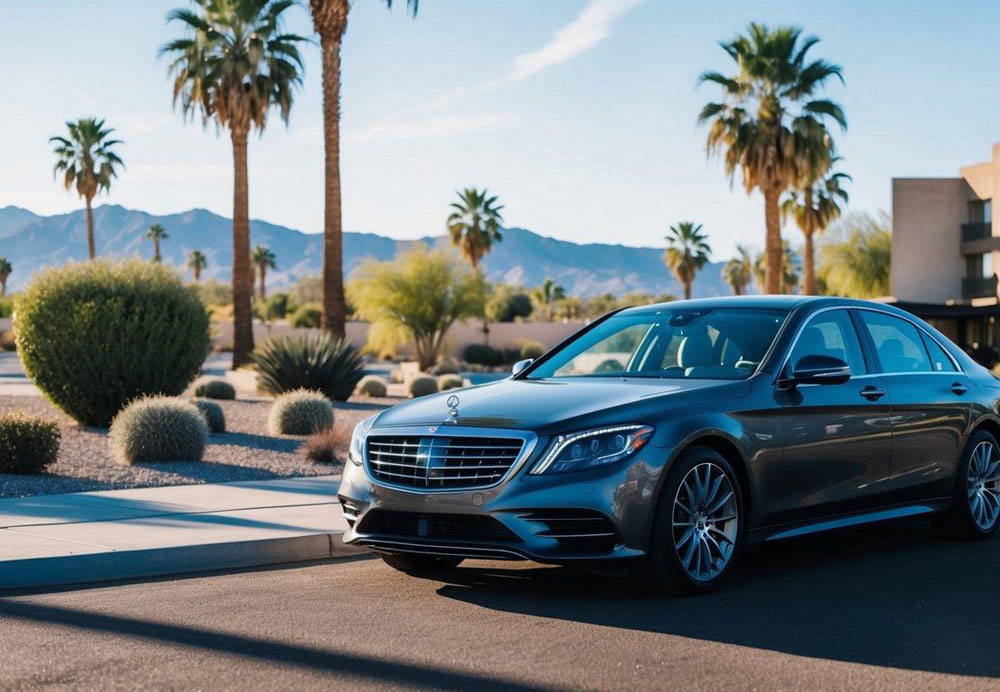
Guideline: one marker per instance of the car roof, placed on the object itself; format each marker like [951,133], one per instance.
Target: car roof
[781,302]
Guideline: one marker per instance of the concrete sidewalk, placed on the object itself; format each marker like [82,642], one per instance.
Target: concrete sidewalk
[56,540]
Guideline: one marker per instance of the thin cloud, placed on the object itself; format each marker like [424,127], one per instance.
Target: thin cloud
[429,128]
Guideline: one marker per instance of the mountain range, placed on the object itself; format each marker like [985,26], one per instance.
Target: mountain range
[31,241]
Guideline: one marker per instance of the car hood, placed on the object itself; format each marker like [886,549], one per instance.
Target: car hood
[548,405]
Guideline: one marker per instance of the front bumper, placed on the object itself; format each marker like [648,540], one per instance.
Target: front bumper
[594,515]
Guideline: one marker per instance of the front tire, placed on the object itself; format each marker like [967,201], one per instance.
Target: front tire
[975,508]
[420,563]
[698,526]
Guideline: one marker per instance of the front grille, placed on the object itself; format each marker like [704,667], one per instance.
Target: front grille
[447,527]
[441,462]
[579,530]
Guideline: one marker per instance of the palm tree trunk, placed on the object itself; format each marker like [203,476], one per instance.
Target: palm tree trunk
[91,245]
[242,318]
[263,288]
[3,288]
[197,273]
[772,246]
[156,250]
[334,308]
[687,290]
[808,266]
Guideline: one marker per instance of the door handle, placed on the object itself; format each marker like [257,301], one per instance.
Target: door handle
[959,389]
[872,393]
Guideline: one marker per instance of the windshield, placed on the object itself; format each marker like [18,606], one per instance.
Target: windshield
[718,344]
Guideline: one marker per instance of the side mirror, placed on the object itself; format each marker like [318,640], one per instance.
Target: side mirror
[820,369]
[521,365]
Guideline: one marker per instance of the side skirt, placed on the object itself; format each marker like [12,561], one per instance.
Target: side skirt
[794,530]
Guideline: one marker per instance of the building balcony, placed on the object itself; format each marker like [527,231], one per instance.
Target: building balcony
[976,231]
[980,287]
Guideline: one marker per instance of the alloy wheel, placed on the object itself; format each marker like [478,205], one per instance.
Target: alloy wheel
[984,485]
[705,521]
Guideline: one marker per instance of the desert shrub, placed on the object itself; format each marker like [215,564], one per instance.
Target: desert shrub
[158,428]
[315,362]
[609,365]
[27,443]
[508,304]
[308,315]
[215,419]
[530,349]
[446,366]
[481,354]
[449,381]
[7,341]
[324,446]
[276,307]
[422,386]
[372,385]
[300,412]
[96,335]
[214,388]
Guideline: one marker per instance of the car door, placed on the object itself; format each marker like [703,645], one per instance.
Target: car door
[930,399]
[836,436]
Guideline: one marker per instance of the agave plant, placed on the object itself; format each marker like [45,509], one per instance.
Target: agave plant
[314,362]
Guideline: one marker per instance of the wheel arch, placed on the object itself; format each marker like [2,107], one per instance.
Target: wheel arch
[725,445]
[987,423]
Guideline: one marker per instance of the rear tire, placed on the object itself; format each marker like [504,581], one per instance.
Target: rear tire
[420,563]
[975,507]
[698,527]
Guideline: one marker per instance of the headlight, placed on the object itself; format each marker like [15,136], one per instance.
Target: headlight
[357,450]
[585,450]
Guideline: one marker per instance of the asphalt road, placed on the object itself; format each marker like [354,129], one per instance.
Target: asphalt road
[888,609]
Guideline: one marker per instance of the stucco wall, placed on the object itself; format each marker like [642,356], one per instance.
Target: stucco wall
[927,214]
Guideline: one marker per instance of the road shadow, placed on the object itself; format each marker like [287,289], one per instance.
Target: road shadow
[889,596]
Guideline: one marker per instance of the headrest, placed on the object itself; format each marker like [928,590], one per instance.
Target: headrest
[695,351]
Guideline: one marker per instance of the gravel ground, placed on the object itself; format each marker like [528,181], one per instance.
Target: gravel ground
[244,453]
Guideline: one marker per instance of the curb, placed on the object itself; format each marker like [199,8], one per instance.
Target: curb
[88,568]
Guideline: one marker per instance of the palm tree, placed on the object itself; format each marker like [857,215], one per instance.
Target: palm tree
[770,125]
[814,207]
[738,271]
[157,233]
[474,224]
[263,259]
[330,22]
[235,62]
[687,252]
[546,295]
[87,160]
[855,256]
[789,269]
[197,262]
[5,270]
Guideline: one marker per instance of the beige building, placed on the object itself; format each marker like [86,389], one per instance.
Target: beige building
[946,250]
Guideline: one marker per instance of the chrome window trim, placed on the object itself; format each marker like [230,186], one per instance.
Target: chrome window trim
[528,438]
[788,355]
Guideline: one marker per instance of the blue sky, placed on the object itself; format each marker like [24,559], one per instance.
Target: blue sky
[579,114]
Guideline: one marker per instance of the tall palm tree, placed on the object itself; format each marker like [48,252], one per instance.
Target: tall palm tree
[814,206]
[232,65]
[770,123]
[330,22]
[474,223]
[197,262]
[263,259]
[687,252]
[157,233]
[739,271]
[789,269]
[5,269]
[87,160]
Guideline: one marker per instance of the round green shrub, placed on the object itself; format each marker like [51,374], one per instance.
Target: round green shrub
[214,388]
[446,366]
[307,316]
[316,362]
[446,382]
[158,428]
[28,444]
[95,335]
[215,419]
[372,385]
[531,349]
[481,354]
[300,412]
[422,386]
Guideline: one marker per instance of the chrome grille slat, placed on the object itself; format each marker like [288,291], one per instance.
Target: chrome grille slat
[441,461]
